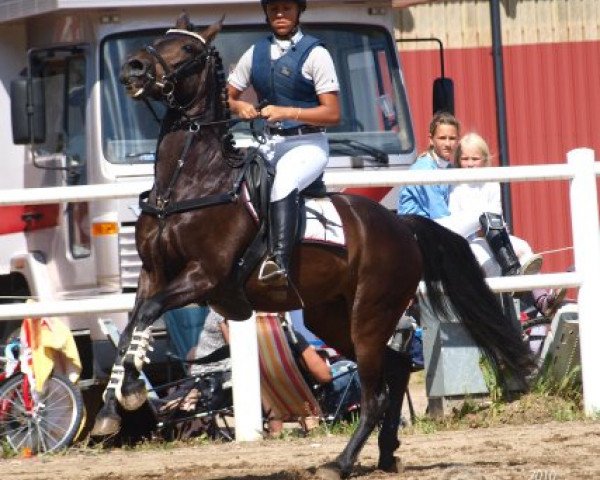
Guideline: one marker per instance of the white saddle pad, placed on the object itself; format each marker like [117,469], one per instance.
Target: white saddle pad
[323,223]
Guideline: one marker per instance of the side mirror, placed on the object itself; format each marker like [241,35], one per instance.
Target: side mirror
[443,95]
[27,111]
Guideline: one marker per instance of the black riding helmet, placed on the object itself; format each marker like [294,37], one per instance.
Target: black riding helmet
[301,4]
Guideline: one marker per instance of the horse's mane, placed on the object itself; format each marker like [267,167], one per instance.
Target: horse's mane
[222,110]
[219,112]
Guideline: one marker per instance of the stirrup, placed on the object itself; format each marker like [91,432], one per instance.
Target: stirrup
[271,273]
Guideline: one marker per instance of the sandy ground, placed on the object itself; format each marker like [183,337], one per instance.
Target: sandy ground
[537,452]
[551,451]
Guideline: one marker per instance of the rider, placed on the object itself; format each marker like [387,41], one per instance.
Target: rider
[295,79]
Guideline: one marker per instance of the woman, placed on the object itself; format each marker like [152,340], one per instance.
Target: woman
[431,201]
[295,79]
[469,201]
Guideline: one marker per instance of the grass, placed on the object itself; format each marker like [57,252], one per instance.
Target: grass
[547,401]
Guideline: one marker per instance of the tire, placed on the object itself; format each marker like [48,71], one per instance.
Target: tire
[534,322]
[52,423]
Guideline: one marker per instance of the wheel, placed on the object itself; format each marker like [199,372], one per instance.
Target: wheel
[45,425]
[536,321]
[533,336]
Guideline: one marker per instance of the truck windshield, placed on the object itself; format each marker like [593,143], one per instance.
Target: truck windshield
[375,123]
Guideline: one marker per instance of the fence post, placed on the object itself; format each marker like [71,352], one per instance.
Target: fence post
[586,242]
[245,374]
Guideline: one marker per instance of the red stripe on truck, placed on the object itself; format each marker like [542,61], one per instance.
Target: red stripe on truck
[21,218]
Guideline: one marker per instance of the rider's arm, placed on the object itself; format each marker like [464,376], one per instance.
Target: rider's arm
[237,83]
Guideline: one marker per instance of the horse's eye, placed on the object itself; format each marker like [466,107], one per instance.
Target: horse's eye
[188,48]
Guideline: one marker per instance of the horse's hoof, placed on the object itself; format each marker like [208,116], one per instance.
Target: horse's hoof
[106,426]
[133,396]
[393,465]
[328,472]
[133,401]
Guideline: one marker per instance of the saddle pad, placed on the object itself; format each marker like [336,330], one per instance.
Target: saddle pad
[323,222]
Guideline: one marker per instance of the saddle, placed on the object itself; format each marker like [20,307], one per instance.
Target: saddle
[255,183]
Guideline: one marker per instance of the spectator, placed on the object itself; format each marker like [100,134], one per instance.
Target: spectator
[431,201]
[213,337]
[471,201]
[313,367]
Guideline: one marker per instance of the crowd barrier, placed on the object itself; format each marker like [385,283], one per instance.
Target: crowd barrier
[580,170]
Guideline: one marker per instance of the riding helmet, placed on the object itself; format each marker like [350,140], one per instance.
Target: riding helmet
[301,4]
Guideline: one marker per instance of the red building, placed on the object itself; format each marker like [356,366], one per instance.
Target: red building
[551,53]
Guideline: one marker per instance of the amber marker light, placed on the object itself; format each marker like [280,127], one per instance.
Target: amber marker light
[105,228]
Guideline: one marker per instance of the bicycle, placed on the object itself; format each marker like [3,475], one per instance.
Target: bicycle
[37,422]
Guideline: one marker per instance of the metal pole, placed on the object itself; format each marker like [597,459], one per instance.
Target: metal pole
[500,103]
[586,240]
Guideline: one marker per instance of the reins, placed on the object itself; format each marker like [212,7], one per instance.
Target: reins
[164,207]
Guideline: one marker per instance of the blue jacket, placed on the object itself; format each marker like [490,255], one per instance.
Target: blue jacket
[429,201]
[281,82]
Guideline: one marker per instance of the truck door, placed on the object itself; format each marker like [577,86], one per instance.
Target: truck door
[62,159]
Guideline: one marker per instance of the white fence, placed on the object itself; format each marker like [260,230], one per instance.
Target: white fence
[580,169]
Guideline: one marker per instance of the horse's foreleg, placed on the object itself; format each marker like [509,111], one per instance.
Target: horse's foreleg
[108,419]
[396,376]
[128,389]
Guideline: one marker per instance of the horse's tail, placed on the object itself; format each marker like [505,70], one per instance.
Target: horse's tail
[456,286]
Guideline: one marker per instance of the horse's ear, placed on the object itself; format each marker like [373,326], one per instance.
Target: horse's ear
[183,22]
[211,32]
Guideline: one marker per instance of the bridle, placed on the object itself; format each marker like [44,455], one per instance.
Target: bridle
[171,76]
[192,124]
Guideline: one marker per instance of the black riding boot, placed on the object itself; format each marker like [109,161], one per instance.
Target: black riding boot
[283,221]
[499,241]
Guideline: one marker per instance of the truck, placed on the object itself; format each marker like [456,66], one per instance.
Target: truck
[67,121]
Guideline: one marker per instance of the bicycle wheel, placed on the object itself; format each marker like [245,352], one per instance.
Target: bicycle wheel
[535,322]
[45,425]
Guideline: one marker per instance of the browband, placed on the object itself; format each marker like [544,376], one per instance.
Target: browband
[187,32]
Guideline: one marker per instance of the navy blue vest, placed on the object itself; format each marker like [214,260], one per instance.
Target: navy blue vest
[281,82]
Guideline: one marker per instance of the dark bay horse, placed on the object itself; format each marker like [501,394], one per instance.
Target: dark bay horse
[194,231]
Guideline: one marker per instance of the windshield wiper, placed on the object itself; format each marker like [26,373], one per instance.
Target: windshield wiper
[354,146]
[141,156]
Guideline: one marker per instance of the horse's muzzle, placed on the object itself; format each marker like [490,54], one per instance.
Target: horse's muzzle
[137,75]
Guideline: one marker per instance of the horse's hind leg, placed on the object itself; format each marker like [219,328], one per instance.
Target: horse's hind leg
[396,377]
[370,334]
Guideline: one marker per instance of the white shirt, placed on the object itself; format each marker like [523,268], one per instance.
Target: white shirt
[466,204]
[318,66]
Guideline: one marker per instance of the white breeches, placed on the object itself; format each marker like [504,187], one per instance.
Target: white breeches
[298,161]
[485,257]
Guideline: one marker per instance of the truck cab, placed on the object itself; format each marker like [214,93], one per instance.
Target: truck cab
[73,124]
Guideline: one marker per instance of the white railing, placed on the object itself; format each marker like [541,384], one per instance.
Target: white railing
[580,169]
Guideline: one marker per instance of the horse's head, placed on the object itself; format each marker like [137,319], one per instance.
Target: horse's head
[178,68]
